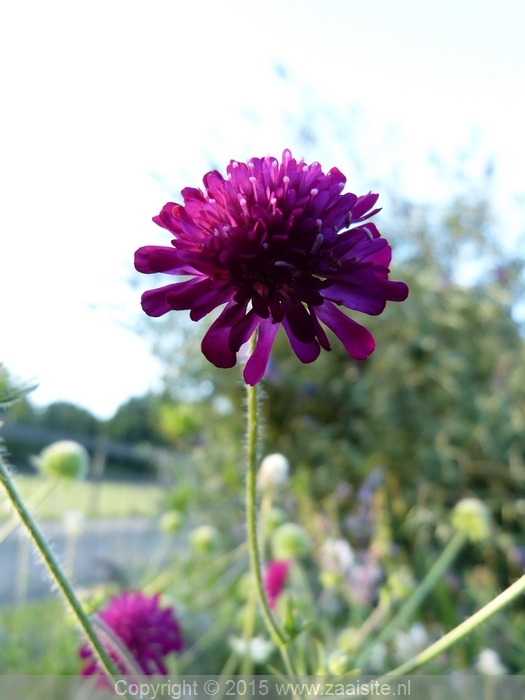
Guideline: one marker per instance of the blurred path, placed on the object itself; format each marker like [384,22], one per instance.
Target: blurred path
[107,549]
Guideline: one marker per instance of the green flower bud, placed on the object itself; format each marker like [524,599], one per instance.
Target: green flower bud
[171,522]
[205,539]
[65,459]
[346,640]
[337,663]
[473,517]
[290,541]
[330,579]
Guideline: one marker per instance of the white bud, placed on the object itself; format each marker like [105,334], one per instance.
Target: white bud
[258,648]
[489,664]
[273,472]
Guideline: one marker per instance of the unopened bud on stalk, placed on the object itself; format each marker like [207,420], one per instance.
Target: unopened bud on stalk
[205,539]
[290,541]
[472,517]
[171,522]
[65,459]
[273,472]
[337,663]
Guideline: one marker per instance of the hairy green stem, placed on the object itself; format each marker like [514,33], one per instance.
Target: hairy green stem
[433,577]
[461,631]
[37,497]
[55,571]
[276,633]
[251,517]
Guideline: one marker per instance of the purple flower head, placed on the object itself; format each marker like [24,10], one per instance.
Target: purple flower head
[273,242]
[274,579]
[147,631]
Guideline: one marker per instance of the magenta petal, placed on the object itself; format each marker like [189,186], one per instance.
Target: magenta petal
[299,321]
[184,294]
[174,297]
[242,331]
[154,302]
[210,300]
[359,343]
[215,348]
[258,360]
[368,300]
[319,331]
[306,352]
[363,204]
[154,258]
[215,345]
[393,291]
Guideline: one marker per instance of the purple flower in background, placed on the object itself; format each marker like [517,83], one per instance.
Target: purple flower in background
[272,242]
[147,631]
[364,578]
[274,579]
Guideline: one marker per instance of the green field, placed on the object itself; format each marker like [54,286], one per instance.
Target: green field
[95,500]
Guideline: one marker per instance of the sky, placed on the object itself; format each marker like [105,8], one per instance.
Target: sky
[110,108]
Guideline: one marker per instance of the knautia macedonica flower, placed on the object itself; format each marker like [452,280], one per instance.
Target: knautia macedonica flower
[274,579]
[146,631]
[273,242]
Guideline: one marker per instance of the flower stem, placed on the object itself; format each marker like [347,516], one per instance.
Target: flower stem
[406,611]
[251,515]
[457,634]
[37,497]
[276,633]
[55,571]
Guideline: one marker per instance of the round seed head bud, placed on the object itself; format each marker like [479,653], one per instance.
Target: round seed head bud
[65,459]
[171,522]
[473,517]
[273,472]
[290,541]
[205,539]
[337,663]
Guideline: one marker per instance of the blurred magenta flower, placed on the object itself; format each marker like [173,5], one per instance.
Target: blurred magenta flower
[148,632]
[272,242]
[274,580]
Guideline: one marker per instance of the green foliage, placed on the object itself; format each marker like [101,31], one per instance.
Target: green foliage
[10,391]
[23,651]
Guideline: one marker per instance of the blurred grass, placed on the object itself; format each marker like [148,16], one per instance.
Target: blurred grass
[96,500]
[25,651]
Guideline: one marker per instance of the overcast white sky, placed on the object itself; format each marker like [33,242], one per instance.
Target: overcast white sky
[109,108]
